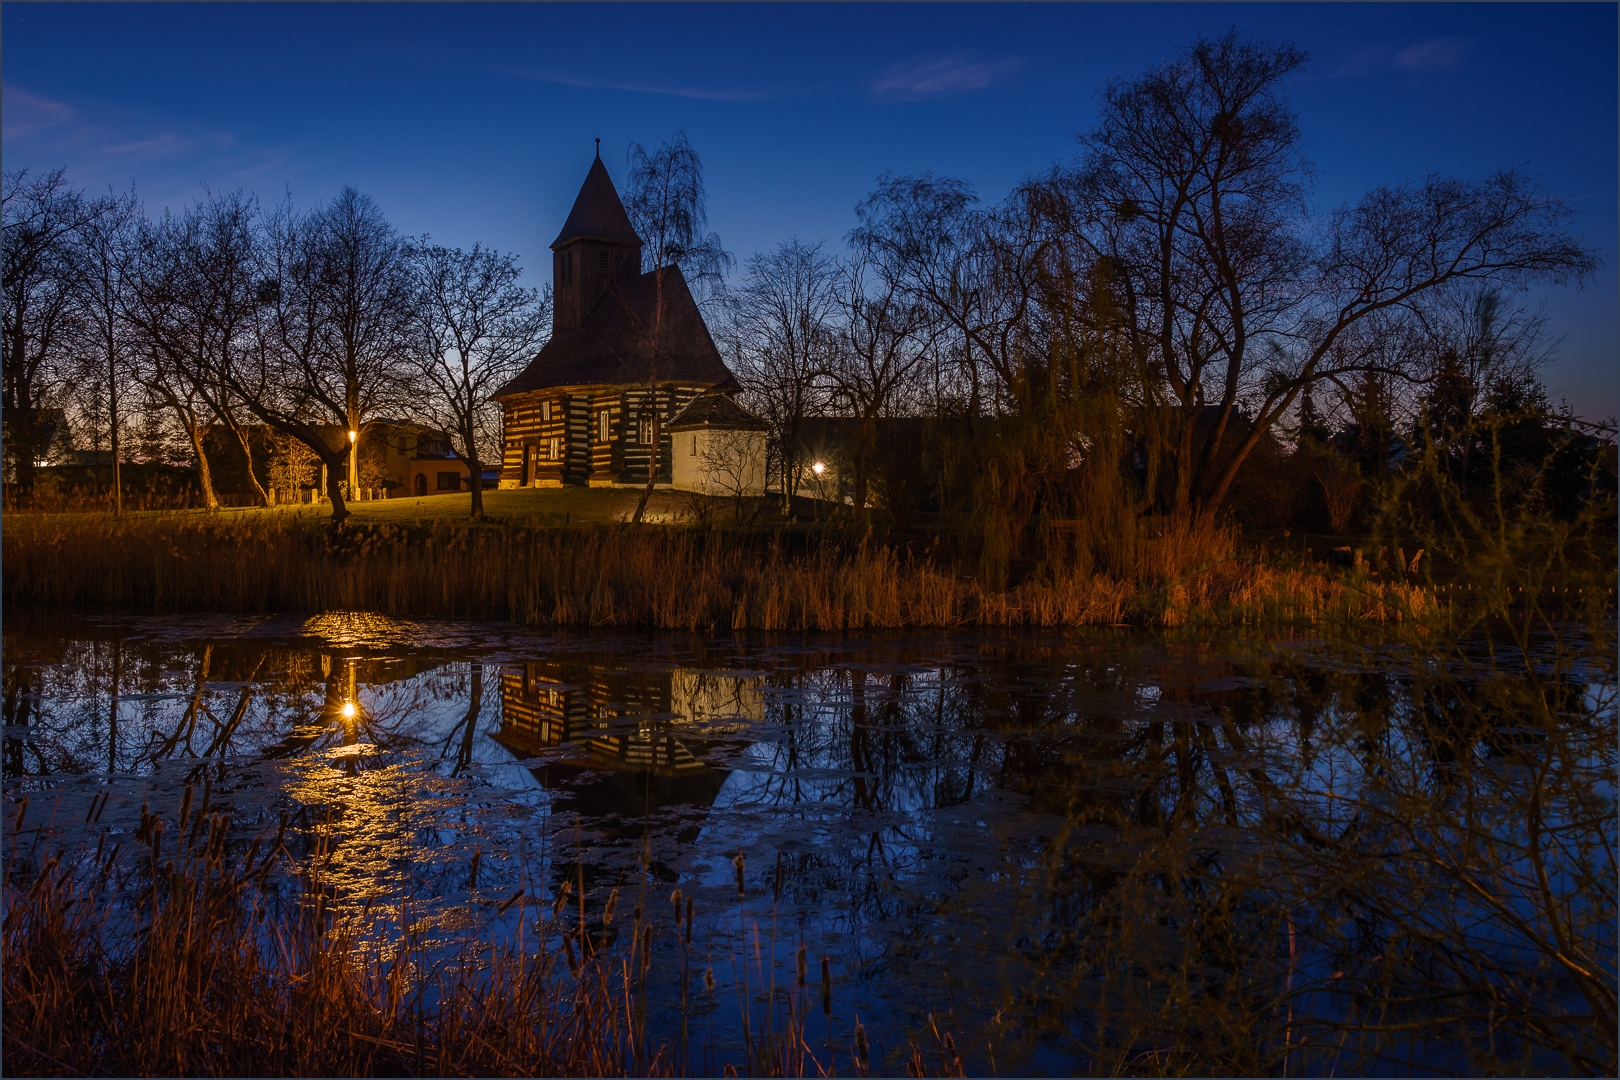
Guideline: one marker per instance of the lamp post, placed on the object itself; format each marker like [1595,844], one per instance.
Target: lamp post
[354,464]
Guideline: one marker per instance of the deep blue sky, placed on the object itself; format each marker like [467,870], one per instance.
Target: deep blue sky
[474,122]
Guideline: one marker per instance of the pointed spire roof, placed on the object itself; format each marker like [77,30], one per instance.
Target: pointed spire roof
[597,214]
[616,345]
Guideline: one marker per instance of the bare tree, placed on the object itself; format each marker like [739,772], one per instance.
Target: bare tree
[730,462]
[108,240]
[668,207]
[781,331]
[334,329]
[1191,196]
[476,329]
[42,307]
[192,305]
[169,313]
[882,341]
[924,235]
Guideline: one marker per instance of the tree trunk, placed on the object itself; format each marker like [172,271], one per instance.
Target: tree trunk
[205,477]
[863,441]
[652,395]
[247,452]
[24,435]
[476,467]
[112,707]
[334,486]
[652,462]
[112,395]
[475,705]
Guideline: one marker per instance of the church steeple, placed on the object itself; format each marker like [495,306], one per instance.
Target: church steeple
[597,245]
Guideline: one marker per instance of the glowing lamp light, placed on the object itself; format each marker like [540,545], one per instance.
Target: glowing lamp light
[818,468]
[353,435]
[348,710]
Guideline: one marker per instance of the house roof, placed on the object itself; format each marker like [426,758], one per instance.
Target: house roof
[614,345]
[716,411]
[597,214]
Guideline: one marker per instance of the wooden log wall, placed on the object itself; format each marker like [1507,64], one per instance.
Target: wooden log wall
[576,423]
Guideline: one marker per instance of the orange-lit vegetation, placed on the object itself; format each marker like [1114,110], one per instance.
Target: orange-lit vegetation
[660,578]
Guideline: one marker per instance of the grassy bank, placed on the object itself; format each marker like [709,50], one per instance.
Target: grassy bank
[651,577]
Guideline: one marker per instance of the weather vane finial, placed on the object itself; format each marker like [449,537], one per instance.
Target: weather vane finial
[598,149]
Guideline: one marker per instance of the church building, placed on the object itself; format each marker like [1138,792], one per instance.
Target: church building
[582,412]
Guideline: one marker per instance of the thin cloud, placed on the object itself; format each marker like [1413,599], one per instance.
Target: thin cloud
[695,92]
[1434,55]
[938,76]
[29,114]
[161,146]
[1446,52]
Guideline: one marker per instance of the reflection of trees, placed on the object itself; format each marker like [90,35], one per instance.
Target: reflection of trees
[1140,848]
[1381,897]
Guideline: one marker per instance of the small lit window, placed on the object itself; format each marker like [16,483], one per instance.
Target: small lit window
[644,435]
[602,422]
[556,448]
[545,411]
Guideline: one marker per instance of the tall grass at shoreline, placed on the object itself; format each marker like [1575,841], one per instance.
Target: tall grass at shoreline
[656,578]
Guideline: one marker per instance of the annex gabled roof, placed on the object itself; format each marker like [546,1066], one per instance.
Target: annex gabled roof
[597,214]
[716,412]
[615,344]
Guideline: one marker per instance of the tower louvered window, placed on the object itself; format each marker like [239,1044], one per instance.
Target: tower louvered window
[567,267]
[602,257]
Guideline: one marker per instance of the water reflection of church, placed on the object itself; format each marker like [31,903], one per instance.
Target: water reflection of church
[631,741]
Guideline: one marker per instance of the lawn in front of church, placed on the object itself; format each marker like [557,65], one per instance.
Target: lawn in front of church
[539,506]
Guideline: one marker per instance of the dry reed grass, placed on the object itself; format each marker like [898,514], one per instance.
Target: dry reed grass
[209,972]
[660,578]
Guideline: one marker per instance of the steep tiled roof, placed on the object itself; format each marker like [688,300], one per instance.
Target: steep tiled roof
[597,214]
[615,344]
[716,411]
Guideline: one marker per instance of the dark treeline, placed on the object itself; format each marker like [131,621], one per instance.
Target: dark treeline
[179,334]
[1166,326]
[1163,327]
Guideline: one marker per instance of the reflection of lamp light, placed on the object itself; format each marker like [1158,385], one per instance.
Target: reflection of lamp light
[818,468]
[348,710]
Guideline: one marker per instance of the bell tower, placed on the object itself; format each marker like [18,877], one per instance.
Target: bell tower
[597,246]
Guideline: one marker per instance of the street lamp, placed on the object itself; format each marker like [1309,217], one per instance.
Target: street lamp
[348,710]
[354,464]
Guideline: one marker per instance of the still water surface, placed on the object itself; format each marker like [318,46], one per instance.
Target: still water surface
[959,822]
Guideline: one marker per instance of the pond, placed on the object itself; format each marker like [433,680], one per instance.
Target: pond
[1109,851]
